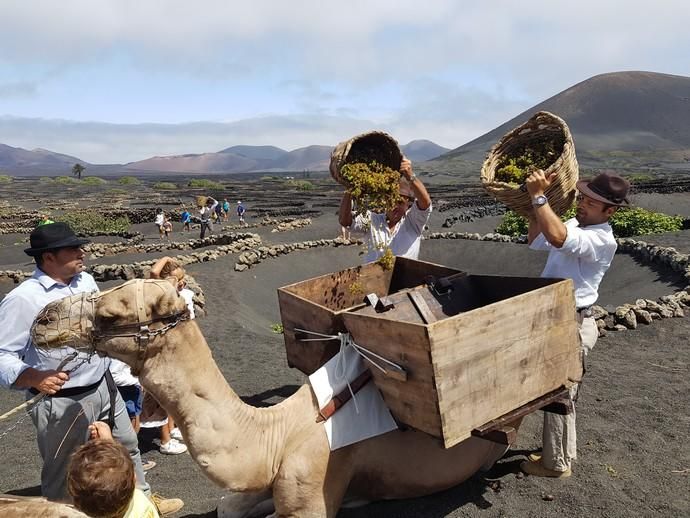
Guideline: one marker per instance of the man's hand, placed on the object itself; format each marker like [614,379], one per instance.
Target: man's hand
[406,168]
[48,382]
[100,430]
[538,182]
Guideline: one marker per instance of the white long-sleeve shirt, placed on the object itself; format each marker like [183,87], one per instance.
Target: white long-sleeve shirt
[18,310]
[403,239]
[584,257]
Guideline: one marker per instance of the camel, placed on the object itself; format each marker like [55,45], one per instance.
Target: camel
[32,507]
[255,453]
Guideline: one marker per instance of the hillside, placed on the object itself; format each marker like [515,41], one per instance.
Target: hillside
[22,161]
[622,119]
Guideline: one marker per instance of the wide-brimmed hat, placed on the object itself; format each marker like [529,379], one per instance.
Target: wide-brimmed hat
[52,236]
[606,188]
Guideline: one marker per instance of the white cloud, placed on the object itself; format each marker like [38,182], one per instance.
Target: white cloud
[441,69]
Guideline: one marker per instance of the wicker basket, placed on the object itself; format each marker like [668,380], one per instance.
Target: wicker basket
[373,145]
[561,193]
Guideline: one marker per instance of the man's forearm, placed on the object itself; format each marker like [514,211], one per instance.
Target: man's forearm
[27,379]
[550,225]
[420,192]
[345,211]
[533,230]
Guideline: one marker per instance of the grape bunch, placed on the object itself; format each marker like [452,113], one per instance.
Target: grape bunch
[373,186]
[515,167]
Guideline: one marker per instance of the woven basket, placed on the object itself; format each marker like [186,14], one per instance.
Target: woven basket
[373,145]
[561,193]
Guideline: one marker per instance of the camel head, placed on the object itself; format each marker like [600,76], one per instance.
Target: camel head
[121,322]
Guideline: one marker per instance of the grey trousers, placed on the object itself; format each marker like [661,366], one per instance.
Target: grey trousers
[559,435]
[62,426]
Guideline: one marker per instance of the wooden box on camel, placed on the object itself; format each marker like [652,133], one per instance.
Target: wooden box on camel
[472,348]
[317,305]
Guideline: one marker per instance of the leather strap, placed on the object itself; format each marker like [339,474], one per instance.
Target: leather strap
[343,397]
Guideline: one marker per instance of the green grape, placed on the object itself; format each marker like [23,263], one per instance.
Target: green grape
[372,185]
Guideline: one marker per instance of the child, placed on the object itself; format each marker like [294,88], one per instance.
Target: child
[186,220]
[167,227]
[101,480]
[240,213]
[160,219]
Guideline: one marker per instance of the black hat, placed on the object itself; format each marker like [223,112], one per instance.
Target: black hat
[52,236]
[607,188]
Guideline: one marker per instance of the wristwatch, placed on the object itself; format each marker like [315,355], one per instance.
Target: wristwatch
[412,178]
[540,201]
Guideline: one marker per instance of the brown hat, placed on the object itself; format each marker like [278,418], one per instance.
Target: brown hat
[51,237]
[606,188]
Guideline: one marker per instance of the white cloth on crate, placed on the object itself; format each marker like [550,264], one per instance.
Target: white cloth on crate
[584,257]
[403,239]
[352,422]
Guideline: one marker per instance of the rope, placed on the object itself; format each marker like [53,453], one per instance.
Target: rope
[363,351]
[340,369]
[38,397]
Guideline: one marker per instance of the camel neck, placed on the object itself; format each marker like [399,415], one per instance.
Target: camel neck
[220,430]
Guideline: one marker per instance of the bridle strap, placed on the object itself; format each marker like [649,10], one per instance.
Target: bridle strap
[140,329]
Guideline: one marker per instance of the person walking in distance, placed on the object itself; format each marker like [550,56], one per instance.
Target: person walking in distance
[205,214]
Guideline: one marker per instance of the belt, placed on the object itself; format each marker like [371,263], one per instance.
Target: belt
[71,391]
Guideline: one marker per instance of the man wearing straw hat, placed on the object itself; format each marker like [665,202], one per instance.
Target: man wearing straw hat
[76,392]
[580,249]
[400,228]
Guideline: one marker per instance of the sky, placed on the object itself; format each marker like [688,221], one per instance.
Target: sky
[114,81]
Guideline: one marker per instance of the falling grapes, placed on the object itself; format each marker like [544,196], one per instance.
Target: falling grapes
[373,186]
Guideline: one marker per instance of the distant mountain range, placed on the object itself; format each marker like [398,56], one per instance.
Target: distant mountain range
[235,159]
[622,119]
[618,120]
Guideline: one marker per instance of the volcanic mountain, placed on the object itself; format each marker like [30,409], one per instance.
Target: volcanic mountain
[620,120]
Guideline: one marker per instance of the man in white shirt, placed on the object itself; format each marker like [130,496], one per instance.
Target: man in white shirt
[399,229]
[76,393]
[580,249]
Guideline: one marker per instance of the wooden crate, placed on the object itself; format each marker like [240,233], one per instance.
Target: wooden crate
[318,304]
[487,346]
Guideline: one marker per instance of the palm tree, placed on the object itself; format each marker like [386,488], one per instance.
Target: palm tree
[77,170]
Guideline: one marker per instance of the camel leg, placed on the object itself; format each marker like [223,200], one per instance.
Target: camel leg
[242,504]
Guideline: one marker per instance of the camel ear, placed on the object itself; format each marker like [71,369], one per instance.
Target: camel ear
[164,297]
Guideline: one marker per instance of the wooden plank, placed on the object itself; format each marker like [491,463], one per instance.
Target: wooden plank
[408,273]
[414,401]
[504,435]
[494,359]
[520,412]
[421,306]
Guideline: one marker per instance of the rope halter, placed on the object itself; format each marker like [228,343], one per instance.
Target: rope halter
[74,324]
